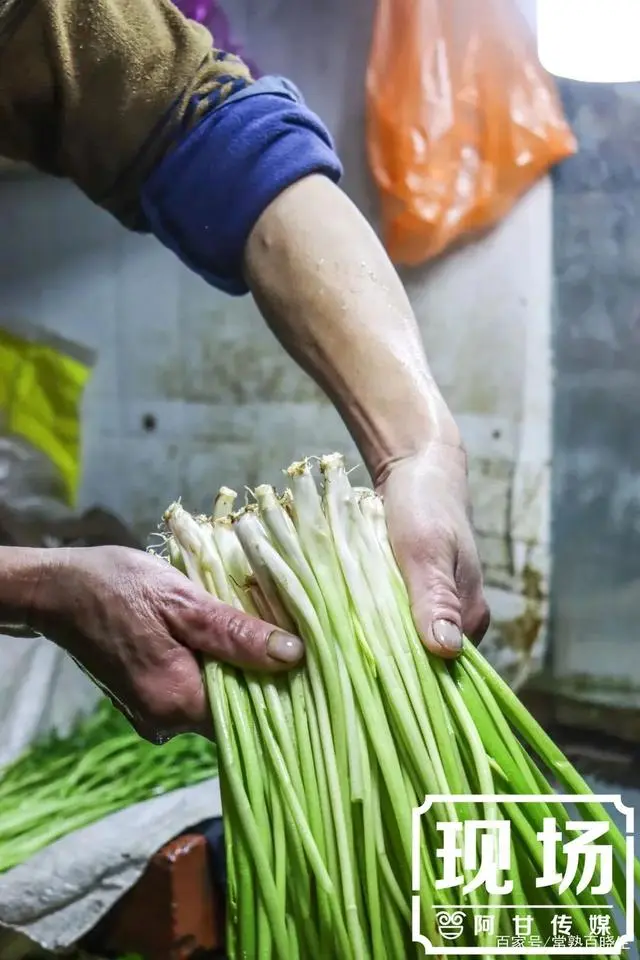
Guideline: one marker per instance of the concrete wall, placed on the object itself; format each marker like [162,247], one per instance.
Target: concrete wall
[597,399]
[191,390]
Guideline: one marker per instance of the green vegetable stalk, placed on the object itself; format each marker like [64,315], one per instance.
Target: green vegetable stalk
[321,769]
[62,784]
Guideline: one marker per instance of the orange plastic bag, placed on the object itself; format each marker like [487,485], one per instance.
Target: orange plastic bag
[461,119]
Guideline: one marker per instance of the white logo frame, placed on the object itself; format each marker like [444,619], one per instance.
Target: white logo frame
[626,938]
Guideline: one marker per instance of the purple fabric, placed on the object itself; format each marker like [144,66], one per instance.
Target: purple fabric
[211,14]
[195,9]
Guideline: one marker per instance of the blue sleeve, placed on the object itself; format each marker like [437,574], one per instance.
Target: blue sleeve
[205,196]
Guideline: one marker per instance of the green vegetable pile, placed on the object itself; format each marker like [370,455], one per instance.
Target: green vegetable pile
[62,784]
[320,769]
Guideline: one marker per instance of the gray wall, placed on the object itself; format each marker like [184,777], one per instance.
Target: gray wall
[596,463]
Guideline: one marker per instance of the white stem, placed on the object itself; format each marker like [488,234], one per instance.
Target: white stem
[224,502]
[372,510]
[175,555]
[213,565]
[186,533]
[251,534]
[236,566]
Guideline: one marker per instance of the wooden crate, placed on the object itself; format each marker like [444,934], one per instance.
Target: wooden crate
[174,912]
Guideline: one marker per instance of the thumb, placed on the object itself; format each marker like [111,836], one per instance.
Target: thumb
[435,605]
[234,637]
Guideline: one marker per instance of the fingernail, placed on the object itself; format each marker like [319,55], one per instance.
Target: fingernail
[447,635]
[284,647]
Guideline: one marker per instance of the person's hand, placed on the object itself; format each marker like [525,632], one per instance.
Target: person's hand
[136,625]
[426,507]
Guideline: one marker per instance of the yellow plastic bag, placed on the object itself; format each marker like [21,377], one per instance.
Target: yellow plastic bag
[41,383]
[461,119]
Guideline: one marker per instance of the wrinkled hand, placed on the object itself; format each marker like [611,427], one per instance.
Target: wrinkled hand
[426,506]
[136,625]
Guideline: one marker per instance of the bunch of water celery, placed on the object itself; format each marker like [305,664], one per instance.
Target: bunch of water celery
[63,783]
[321,769]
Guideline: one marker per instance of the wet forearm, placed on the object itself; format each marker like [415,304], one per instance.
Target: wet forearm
[326,286]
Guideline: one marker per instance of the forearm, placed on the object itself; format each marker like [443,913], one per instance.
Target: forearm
[325,285]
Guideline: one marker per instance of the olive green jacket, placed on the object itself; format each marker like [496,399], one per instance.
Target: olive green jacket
[96,90]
